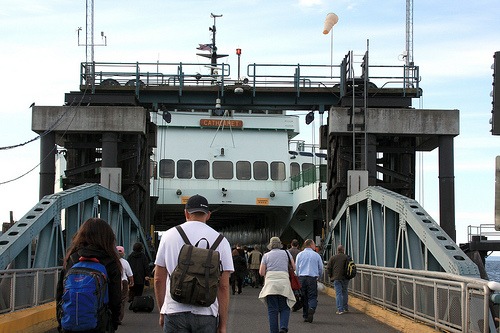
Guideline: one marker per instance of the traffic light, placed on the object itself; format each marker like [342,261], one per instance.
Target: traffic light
[495,111]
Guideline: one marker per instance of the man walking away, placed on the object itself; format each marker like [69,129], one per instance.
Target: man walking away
[127,279]
[254,260]
[180,317]
[294,249]
[309,269]
[336,272]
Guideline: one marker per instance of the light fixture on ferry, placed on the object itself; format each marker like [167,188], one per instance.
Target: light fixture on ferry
[166,116]
[224,192]
[309,117]
[272,194]
[178,192]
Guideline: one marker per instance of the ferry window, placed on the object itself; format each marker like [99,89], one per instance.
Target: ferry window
[201,169]
[167,168]
[222,170]
[243,170]
[294,169]
[278,171]
[308,173]
[184,169]
[307,166]
[260,171]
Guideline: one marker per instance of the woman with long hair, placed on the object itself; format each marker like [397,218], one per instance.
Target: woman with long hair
[95,240]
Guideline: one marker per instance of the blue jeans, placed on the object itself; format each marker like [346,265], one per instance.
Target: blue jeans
[277,307]
[187,322]
[341,294]
[309,289]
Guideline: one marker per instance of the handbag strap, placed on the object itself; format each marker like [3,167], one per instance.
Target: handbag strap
[289,259]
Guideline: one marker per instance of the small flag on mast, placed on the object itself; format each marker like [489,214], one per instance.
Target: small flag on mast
[204,47]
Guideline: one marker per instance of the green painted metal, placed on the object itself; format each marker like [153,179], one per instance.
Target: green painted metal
[382,228]
[38,239]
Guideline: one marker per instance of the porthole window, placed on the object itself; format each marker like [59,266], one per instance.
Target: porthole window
[167,168]
[278,171]
[184,169]
[222,170]
[260,170]
[294,169]
[243,170]
[201,169]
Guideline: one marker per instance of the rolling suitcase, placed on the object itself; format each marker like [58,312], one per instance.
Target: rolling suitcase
[142,304]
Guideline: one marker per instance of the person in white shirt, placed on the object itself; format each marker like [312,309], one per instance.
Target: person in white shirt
[127,280]
[179,317]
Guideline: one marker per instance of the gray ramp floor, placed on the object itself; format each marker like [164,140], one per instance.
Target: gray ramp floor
[247,314]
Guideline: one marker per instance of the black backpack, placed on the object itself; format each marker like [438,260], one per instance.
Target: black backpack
[195,280]
[350,268]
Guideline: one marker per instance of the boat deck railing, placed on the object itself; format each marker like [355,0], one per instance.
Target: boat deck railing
[309,176]
[144,75]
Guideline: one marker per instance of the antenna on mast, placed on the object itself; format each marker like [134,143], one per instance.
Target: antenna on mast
[89,42]
[408,56]
[213,47]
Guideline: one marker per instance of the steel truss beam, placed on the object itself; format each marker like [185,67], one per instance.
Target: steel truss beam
[382,228]
[39,239]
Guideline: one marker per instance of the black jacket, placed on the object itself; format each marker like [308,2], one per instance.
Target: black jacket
[114,279]
[140,266]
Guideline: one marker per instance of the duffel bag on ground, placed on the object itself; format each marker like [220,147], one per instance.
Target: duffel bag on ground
[142,304]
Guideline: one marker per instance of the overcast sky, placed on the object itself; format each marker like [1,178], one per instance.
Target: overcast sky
[454,42]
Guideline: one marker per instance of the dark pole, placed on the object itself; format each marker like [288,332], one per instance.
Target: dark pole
[447,186]
[109,150]
[47,164]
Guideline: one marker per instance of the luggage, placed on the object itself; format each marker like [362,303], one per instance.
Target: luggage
[142,304]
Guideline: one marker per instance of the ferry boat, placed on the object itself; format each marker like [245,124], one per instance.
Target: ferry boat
[259,181]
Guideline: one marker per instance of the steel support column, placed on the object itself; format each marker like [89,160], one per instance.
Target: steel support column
[109,150]
[47,164]
[447,186]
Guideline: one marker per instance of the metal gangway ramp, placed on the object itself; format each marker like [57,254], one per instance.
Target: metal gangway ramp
[406,263]
[40,238]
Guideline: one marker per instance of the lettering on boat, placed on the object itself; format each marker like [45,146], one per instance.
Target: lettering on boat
[221,122]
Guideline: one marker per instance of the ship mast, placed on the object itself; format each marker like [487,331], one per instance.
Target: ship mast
[213,54]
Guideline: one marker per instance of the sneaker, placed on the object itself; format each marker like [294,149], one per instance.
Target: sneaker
[340,312]
[310,315]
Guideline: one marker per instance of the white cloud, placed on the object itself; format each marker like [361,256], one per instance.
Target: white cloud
[310,3]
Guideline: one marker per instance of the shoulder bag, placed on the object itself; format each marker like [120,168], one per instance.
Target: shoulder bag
[294,280]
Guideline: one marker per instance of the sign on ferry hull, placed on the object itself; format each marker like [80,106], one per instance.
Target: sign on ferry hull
[221,122]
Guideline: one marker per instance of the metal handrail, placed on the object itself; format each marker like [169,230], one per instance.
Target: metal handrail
[26,288]
[445,301]
[483,230]
[261,75]
[309,176]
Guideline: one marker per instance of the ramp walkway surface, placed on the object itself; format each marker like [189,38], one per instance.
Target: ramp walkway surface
[247,314]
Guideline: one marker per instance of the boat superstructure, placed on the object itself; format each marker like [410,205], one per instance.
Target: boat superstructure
[246,163]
